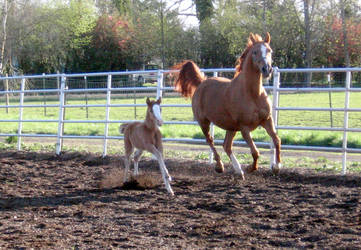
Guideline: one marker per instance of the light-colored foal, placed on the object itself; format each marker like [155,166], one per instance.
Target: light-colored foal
[146,136]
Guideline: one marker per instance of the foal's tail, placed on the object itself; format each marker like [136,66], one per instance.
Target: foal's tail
[123,127]
[188,78]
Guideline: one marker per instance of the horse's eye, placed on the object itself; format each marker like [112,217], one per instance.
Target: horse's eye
[254,52]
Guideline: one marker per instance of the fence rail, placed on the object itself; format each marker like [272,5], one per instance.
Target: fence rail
[276,90]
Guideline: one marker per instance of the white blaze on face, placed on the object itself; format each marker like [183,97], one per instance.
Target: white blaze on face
[265,56]
[157,114]
[264,51]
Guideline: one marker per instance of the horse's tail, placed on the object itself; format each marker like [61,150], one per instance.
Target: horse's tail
[122,127]
[188,78]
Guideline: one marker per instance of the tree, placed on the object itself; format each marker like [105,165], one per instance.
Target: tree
[110,48]
[56,36]
[123,6]
[4,14]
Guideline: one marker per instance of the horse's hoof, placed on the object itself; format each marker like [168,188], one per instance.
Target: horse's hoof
[276,167]
[219,167]
[250,169]
[241,174]
[170,191]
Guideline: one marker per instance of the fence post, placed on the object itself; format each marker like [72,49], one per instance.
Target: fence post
[215,74]
[345,122]
[7,94]
[86,97]
[134,98]
[160,84]
[59,144]
[329,97]
[106,130]
[44,98]
[20,127]
[57,81]
[275,104]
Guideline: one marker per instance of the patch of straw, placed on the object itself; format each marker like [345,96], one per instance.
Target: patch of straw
[112,179]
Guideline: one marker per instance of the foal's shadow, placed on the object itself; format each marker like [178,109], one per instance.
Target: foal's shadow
[70,199]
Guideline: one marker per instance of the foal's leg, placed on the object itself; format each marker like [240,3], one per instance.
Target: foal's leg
[128,152]
[254,151]
[270,128]
[137,155]
[152,149]
[205,129]
[227,146]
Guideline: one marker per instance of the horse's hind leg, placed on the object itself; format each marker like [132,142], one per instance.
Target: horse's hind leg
[227,145]
[137,155]
[254,151]
[128,152]
[163,169]
[205,129]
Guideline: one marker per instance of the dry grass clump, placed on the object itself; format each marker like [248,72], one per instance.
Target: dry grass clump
[114,179]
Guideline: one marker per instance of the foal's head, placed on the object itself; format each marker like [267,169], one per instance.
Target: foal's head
[260,52]
[154,111]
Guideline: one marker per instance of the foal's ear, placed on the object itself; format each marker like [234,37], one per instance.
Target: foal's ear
[268,38]
[252,38]
[148,101]
[159,100]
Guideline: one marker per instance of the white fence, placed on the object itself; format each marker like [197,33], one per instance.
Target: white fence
[276,90]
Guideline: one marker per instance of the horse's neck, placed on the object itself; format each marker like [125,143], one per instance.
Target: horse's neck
[251,78]
[149,123]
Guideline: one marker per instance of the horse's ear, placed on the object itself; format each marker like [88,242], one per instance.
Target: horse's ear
[252,38]
[148,101]
[159,100]
[268,38]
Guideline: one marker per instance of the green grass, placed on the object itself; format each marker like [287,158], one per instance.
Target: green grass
[286,118]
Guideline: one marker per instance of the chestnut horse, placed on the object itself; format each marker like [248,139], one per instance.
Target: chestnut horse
[146,136]
[240,104]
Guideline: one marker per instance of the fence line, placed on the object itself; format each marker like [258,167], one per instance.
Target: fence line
[276,90]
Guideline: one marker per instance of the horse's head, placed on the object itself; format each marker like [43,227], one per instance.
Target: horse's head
[154,111]
[261,53]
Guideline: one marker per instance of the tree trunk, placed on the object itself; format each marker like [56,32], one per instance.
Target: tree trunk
[344,31]
[308,52]
[3,42]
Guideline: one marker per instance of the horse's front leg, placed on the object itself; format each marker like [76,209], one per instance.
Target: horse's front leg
[227,146]
[270,128]
[246,133]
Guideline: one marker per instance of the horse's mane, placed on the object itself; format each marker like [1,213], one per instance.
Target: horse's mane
[241,59]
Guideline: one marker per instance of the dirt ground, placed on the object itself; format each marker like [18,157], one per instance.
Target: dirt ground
[75,201]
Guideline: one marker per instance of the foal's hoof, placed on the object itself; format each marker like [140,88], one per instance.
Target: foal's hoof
[219,167]
[241,175]
[276,167]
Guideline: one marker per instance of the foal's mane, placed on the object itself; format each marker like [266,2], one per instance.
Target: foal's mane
[241,59]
